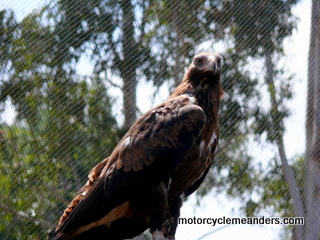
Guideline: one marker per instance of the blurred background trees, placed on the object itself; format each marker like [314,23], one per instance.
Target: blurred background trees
[68,67]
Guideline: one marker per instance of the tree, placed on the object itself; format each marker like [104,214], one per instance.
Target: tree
[272,25]
[258,29]
[166,44]
[64,122]
[115,33]
[7,29]
[312,156]
[128,41]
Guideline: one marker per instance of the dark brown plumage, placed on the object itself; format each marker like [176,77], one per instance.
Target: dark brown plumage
[164,157]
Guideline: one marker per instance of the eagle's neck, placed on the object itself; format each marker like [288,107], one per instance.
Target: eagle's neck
[207,92]
[184,87]
[200,89]
[197,82]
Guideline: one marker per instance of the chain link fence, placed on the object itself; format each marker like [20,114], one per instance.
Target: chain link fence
[76,74]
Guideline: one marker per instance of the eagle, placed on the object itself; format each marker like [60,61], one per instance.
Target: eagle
[163,158]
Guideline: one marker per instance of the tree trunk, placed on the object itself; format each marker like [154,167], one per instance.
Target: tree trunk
[176,20]
[312,156]
[298,207]
[128,65]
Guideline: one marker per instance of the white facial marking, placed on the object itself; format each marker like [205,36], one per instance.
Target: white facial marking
[212,58]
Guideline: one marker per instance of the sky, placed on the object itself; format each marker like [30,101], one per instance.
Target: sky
[297,49]
[296,61]
[22,8]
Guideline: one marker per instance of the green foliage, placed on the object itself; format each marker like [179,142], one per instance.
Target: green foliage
[275,193]
[65,124]
[259,35]
[265,26]
[7,29]
[69,139]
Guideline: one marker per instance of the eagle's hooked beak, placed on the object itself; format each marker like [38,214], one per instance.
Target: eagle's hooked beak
[214,64]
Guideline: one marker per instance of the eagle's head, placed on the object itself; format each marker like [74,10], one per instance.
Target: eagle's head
[206,63]
[205,69]
[203,74]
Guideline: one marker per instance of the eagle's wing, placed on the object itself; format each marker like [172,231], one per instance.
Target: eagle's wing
[93,175]
[197,184]
[153,147]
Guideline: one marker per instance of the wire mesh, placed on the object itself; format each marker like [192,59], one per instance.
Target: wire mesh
[75,75]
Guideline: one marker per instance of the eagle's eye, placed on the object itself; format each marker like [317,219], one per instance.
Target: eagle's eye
[198,61]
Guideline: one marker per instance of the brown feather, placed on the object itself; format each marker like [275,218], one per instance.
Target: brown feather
[164,155]
[92,176]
